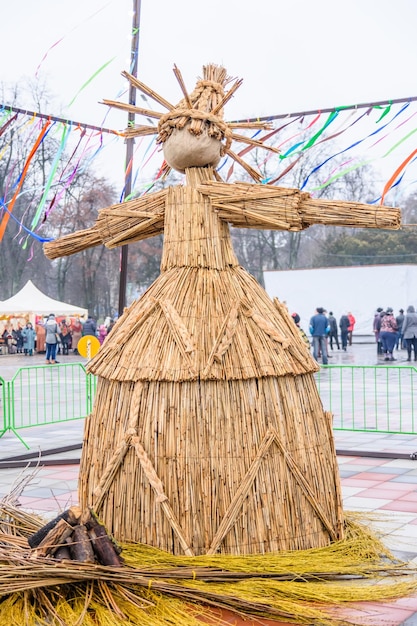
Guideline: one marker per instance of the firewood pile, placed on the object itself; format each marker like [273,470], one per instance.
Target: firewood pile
[78,536]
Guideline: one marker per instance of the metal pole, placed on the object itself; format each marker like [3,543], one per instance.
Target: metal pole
[129,145]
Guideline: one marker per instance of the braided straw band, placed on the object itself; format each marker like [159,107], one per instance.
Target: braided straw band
[179,118]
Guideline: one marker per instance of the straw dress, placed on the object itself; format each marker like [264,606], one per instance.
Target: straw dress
[208,434]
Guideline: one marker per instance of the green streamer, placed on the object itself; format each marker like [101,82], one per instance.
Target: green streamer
[314,138]
[384,113]
[340,174]
[65,133]
[90,79]
[400,142]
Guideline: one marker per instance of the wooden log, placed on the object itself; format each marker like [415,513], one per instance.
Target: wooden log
[103,546]
[71,515]
[80,547]
[54,539]
[63,552]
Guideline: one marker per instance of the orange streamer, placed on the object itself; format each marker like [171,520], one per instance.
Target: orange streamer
[6,216]
[395,174]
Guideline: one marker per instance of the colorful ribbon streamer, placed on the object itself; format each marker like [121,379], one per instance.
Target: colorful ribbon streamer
[399,169]
[65,134]
[96,73]
[353,145]
[22,226]
[7,215]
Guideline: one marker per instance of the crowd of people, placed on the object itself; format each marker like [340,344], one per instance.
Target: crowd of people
[53,335]
[391,332]
[398,332]
[60,336]
[324,330]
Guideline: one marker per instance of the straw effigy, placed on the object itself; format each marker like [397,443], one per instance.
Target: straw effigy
[208,435]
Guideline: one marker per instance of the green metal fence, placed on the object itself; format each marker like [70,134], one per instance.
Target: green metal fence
[370,398]
[362,398]
[43,395]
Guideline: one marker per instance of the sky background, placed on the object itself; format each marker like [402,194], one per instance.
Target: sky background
[293,55]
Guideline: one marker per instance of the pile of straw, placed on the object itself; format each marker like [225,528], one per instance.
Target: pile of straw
[157,589]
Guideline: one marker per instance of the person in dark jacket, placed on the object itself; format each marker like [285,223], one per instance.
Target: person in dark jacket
[65,333]
[18,339]
[400,319]
[344,324]
[409,332]
[90,327]
[333,334]
[319,329]
[377,328]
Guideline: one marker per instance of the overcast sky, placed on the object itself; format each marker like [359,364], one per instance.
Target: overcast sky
[293,55]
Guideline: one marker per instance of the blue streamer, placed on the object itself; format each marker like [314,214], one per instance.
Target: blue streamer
[29,232]
[356,143]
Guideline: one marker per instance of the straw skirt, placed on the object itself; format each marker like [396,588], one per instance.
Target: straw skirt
[208,433]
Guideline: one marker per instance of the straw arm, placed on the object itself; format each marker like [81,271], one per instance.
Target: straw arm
[141,230]
[351,214]
[117,225]
[278,208]
[72,243]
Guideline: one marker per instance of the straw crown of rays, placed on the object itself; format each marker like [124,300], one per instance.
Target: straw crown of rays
[199,112]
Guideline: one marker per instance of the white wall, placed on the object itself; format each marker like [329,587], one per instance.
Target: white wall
[360,290]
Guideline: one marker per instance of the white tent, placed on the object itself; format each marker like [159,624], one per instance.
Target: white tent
[30,301]
[360,290]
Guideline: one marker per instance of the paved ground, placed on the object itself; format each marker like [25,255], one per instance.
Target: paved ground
[384,484]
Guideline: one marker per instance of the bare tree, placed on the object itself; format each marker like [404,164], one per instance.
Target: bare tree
[89,276]
[20,254]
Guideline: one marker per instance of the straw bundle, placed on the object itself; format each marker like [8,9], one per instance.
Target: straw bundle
[244,495]
[116,225]
[161,346]
[279,208]
[158,589]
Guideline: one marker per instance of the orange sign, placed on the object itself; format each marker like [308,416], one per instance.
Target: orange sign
[88,346]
